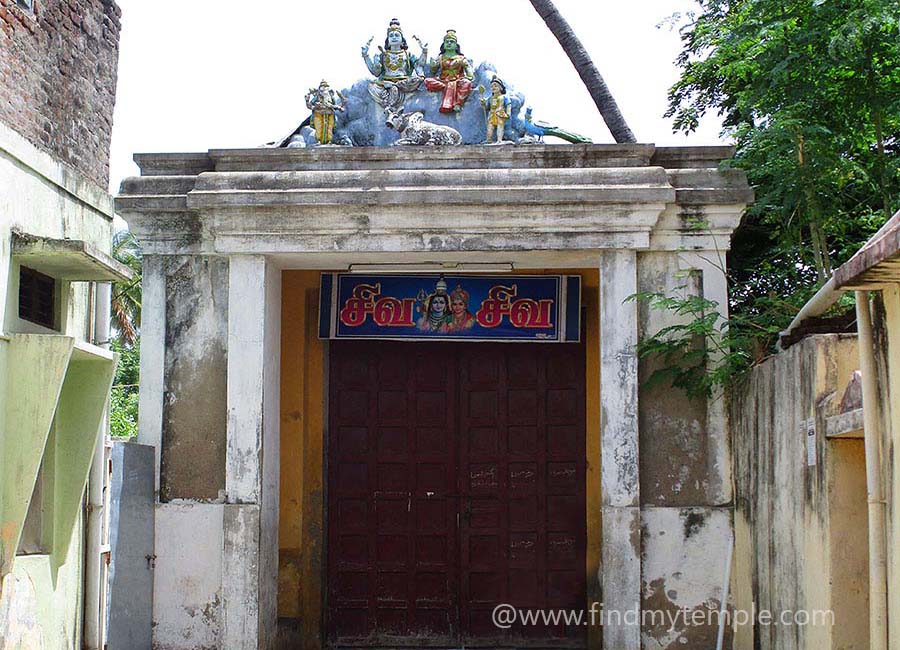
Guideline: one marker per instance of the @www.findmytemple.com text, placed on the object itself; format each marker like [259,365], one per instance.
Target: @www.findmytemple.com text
[507,616]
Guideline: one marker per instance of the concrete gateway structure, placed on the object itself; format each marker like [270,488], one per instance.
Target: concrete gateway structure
[318,493]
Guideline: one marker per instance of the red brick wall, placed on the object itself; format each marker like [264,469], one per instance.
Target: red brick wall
[58,78]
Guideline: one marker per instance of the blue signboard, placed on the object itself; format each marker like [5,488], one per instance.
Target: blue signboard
[542,308]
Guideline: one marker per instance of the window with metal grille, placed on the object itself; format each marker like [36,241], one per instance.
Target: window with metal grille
[37,297]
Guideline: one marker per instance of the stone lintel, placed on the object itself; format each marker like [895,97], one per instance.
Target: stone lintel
[511,244]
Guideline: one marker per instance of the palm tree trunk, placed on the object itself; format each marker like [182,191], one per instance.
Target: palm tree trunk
[579,57]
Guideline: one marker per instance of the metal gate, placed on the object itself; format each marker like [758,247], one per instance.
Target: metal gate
[456,483]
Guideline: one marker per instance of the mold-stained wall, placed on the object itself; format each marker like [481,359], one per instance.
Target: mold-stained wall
[41,599]
[40,607]
[187,588]
[193,456]
[684,563]
[801,513]
[673,427]
[686,523]
[886,325]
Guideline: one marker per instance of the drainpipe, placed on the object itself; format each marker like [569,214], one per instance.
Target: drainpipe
[825,297]
[95,570]
[877,505]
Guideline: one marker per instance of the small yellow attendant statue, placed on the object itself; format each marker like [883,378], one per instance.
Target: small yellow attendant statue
[498,108]
[324,102]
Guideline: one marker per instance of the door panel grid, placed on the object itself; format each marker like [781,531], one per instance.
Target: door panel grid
[455,483]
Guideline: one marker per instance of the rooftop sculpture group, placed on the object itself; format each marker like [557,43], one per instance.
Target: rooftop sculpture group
[422,98]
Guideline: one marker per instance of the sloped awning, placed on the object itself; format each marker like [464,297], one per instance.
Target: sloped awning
[876,263]
[74,260]
[47,379]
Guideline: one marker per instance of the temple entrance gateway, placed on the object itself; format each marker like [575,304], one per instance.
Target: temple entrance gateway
[455,483]
[235,243]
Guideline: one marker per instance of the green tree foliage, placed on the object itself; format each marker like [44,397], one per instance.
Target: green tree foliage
[686,348]
[125,316]
[124,397]
[809,90]
[125,321]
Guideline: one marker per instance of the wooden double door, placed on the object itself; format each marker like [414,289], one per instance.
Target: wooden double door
[456,483]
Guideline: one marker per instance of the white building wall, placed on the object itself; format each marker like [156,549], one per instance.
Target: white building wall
[39,602]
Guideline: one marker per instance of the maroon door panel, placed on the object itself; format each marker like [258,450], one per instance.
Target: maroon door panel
[391,466]
[455,483]
[523,533]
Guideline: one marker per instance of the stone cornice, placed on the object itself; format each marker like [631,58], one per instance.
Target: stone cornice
[540,197]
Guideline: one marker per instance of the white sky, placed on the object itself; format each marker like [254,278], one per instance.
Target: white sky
[213,74]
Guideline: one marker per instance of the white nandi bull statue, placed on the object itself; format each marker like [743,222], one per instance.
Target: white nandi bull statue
[414,130]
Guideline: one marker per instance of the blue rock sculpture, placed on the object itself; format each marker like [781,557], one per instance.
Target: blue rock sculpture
[363,122]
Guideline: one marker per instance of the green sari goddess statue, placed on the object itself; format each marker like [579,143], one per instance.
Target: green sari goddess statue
[453,75]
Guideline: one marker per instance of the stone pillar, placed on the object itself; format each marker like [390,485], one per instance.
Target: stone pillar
[250,552]
[621,543]
[711,264]
[153,358]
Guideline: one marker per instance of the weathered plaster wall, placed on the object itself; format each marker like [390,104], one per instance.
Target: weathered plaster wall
[673,431]
[684,561]
[40,608]
[42,596]
[40,196]
[187,588]
[886,325]
[249,586]
[195,376]
[801,528]
[271,461]
[686,521]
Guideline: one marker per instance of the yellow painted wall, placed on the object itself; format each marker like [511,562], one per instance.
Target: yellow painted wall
[301,527]
[303,394]
[801,533]
[590,297]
